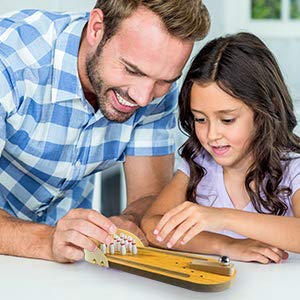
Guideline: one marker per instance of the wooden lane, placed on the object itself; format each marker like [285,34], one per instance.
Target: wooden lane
[170,267]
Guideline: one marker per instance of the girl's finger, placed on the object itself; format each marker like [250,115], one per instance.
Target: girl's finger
[181,231]
[271,255]
[283,254]
[258,257]
[196,229]
[174,222]
[167,218]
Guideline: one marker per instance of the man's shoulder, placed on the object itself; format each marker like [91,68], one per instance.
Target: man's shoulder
[28,37]
[36,22]
[35,16]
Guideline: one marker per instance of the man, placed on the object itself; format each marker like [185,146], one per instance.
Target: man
[80,92]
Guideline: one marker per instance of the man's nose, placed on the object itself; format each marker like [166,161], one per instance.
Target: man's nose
[142,92]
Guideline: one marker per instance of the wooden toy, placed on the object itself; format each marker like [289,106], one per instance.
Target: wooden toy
[187,270]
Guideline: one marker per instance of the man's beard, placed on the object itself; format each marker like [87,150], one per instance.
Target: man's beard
[93,72]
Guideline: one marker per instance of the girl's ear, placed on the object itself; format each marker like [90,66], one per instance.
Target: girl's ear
[95,27]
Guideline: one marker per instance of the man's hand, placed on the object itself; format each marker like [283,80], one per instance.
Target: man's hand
[72,234]
[127,222]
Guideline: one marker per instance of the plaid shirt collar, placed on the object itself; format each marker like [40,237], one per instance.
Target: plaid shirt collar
[75,90]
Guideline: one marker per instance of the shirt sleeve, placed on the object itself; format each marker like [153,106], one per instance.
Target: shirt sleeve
[293,175]
[9,96]
[184,167]
[6,101]
[6,105]
[154,132]
[200,160]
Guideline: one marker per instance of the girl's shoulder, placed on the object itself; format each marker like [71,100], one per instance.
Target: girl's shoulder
[291,161]
[291,173]
[203,159]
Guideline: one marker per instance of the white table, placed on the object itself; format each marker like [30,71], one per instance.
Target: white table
[32,279]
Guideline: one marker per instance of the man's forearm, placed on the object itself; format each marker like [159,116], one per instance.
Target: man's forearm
[26,239]
[136,210]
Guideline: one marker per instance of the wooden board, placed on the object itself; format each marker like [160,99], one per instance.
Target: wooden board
[177,268]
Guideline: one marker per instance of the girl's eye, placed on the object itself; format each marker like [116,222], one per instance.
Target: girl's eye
[199,120]
[228,121]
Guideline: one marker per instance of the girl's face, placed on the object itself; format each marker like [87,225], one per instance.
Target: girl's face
[224,125]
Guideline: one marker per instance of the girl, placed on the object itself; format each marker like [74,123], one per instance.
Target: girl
[237,191]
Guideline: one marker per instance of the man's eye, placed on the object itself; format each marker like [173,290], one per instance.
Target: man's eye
[131,72]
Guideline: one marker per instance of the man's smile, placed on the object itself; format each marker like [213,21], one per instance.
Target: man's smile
[125,102]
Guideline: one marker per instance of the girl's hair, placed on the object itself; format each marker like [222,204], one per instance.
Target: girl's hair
[243,67]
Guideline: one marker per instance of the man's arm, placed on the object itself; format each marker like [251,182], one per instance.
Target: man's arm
[145,178]
[22,238]
[63,243]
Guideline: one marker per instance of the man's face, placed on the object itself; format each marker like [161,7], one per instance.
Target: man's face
[139,63]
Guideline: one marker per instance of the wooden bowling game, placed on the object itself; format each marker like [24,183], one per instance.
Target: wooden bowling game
[187,270]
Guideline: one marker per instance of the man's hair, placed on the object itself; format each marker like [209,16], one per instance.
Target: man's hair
[184,19]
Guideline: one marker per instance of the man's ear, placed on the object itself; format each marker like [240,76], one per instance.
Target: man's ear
[95,27]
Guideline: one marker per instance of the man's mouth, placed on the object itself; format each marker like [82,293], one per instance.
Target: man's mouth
[125,102]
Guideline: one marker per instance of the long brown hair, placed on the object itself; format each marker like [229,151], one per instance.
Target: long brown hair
[245,68]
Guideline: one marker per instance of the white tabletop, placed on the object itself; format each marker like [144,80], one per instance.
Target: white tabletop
[32,279]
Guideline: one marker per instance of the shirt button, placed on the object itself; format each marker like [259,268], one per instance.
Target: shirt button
[60,195]
[39,214]
[77,164]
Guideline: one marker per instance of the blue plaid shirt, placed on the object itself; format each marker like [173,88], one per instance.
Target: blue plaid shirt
[51,139]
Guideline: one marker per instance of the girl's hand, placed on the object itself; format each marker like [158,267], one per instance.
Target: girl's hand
[188,219]
[252,250]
